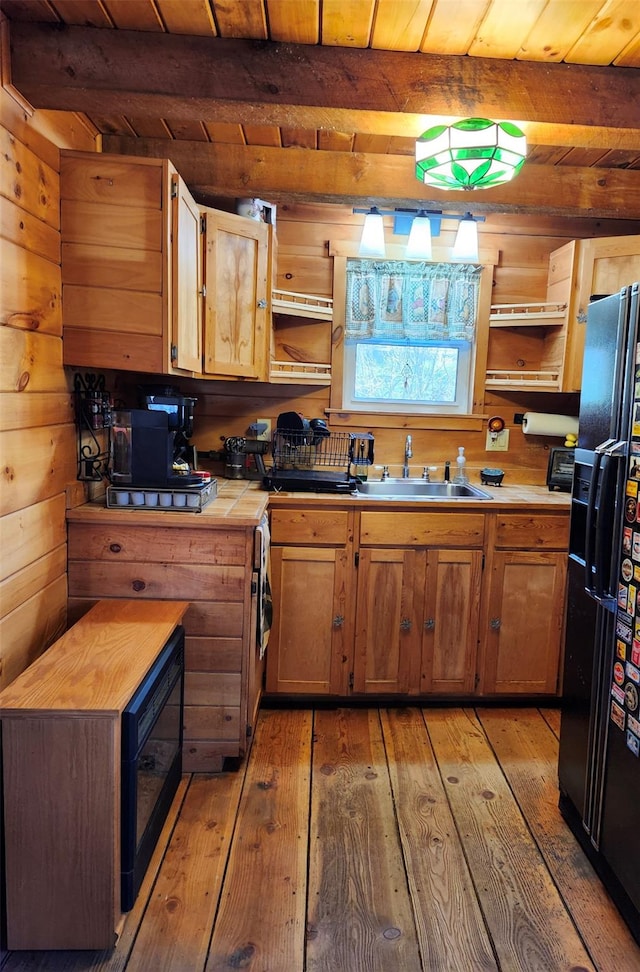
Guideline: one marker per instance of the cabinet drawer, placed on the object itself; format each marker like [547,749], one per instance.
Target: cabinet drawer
[422,529]
[310,527]
[533,531]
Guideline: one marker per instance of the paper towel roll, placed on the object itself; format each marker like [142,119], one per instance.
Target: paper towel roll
[540,423]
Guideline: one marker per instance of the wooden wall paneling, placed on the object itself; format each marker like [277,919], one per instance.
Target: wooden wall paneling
[36,464]
[213,654]
[29,534]
[29,232]
[299,339]
[30,362]
[45,132]
[30,291]
[30,628]
[116,310]
[157,580]
[112,351]
[20,411]
[28,180]
[23,584]
[517,285]
[118,267]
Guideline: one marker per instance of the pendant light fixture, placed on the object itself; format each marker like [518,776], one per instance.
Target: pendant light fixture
[419,242]
[372,240]
[474,153]
[466,242]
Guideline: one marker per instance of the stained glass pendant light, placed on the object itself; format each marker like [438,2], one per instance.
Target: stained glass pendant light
[474,153]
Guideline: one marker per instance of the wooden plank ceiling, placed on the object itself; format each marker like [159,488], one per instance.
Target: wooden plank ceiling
[321,100]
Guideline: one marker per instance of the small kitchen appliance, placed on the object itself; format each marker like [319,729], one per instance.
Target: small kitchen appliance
[560,469]
[150,445]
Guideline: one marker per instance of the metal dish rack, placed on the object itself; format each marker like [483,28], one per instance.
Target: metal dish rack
[316,461]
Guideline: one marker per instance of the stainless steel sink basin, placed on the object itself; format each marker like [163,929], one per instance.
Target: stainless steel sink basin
[420,489]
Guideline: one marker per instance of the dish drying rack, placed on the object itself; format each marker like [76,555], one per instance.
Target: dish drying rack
[314,461]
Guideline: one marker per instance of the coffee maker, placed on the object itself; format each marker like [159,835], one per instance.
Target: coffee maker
[150,445]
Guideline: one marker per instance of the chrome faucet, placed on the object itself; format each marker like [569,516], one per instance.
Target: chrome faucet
[408,453]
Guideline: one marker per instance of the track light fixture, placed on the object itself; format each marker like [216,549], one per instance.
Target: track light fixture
[421,225]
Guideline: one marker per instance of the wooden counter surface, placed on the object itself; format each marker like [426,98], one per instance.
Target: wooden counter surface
[96,666]
[238,503]
[513,498]
[242,503]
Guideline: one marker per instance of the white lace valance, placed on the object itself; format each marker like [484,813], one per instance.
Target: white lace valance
[403,301]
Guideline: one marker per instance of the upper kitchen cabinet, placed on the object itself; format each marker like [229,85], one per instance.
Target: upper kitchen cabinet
[237,273]
[130,265]
[539,346]
[600,266]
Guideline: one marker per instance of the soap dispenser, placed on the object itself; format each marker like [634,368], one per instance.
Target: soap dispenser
[461,464]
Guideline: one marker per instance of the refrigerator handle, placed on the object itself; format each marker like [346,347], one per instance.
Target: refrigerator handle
[605,519]
[592,508]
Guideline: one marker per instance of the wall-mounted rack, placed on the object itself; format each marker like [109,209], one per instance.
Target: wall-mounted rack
[93,425]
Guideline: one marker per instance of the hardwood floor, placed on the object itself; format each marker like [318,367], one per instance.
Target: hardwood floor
[363,840]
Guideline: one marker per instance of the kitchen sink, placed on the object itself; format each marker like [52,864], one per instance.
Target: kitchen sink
[420,489]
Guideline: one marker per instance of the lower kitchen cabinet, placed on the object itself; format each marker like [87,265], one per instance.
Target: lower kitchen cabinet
[212,570]
[310,644]
[412,603]
[450,622]
[418,604]
[524,606]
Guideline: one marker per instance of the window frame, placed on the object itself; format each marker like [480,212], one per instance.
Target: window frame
[340,414]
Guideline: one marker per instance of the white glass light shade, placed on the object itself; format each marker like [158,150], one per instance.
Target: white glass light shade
[372,240]
[474,153]
[419,243]
[466,243]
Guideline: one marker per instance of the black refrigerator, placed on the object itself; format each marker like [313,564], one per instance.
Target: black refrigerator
[599,758]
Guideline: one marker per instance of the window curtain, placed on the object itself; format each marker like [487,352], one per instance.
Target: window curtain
[395,300]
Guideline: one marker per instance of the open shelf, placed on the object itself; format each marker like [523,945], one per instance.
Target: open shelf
[524,380]
[528,315]
[302,305]
[301,372]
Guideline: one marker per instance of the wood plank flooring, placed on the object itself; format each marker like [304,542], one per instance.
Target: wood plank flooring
[371,840]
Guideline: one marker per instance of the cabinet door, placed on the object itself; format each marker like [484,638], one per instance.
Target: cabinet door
[186,280]
[450,621]
[236,304]
[524,623]
[604,266]
[309,644]
[388,614]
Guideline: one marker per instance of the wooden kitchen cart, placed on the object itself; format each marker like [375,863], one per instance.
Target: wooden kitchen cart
[61,751]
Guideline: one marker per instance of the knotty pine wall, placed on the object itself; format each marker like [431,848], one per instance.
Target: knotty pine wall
[37,434]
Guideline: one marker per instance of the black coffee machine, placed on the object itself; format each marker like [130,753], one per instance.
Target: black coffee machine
[150,445]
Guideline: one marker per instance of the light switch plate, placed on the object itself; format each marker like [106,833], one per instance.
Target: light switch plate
[498,442]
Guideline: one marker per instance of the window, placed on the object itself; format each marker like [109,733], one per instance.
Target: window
[409,336]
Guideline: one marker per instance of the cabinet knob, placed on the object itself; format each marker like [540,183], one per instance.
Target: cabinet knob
[495,623]
[338,621]
[405,624]
[115,547]
[262,302]
[430,624]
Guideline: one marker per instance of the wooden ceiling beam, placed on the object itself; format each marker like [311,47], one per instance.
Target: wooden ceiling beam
[304,86]
[385,180]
